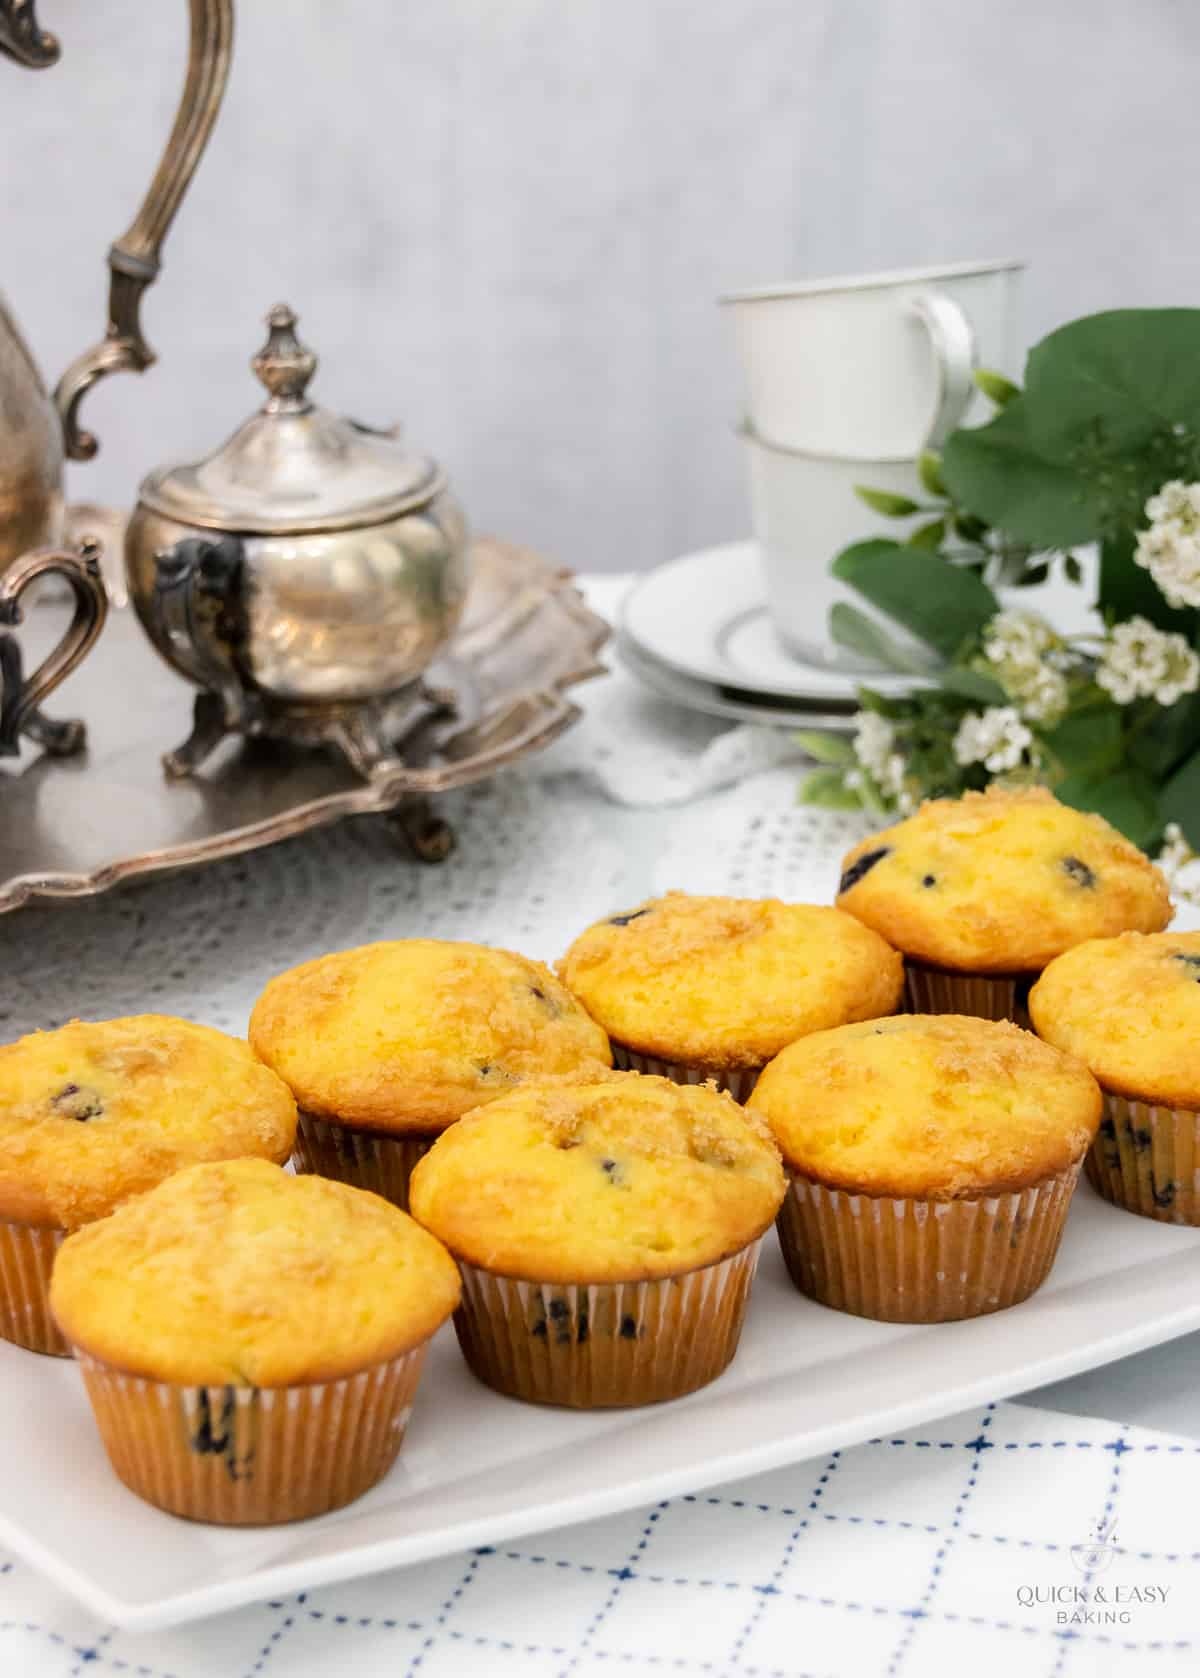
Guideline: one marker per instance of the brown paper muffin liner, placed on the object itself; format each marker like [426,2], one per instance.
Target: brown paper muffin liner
[1147,1159]
[26,1260]
[362,1158]
[738,1080]
[922,1261]
[988,996]
[594,1345]
[252,1456]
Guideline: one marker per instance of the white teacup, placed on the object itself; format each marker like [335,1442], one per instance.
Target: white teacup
[805,512]
[875,366]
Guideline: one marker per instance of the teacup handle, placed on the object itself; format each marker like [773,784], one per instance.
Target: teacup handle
[952,339]
[19,713]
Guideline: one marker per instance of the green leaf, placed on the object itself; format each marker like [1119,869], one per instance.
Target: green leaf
[998,474]
[1181,799]
[1033,576]
[929,470]
[942,604]
[969,527]
[825,748]
[884,501]
[1087,742]
[824,788]
[973,685]
[1113,381]
[996,387]
[930,535]
[861,634]
[1127,798]
[1166,741]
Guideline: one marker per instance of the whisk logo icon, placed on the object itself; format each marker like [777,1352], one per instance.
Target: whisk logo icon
[1098,1552]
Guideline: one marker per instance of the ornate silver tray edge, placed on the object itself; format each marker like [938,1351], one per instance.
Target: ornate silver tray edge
[513,722]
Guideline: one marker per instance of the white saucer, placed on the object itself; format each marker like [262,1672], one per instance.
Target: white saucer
[704,616]
[737,704]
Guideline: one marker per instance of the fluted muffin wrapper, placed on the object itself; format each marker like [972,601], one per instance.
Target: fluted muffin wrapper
[1147,1159]
[601,1344]
[922,1261]
[27,1254]
[252,1456]
[738,1080]
[363,1158]
[987,996]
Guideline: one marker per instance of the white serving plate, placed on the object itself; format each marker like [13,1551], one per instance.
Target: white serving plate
[477,1468]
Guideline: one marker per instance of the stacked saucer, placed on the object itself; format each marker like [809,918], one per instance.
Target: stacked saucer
[698,631]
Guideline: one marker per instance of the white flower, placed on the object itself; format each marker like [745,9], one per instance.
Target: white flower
[875,749]
[1028,655]
[1018,637]
[1142,662]
[1170,548]
[1180,865]
[997,738]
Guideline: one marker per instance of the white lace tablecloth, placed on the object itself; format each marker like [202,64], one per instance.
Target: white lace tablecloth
[944,1551]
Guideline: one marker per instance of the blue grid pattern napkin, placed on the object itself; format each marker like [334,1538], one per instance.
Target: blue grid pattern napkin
[999,1542]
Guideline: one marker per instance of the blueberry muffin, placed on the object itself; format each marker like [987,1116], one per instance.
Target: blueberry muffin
[710,988]
[251,1341]
[607,1235]
[386,1045]
[1129,1008]
[98,1111]
[981,892]
[931,1158]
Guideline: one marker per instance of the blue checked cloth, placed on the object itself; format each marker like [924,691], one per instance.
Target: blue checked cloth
[1001,1542]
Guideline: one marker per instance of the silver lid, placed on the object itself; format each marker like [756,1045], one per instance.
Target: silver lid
[294,466]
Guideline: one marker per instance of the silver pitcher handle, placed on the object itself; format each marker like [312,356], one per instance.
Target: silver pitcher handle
[22,695]
[952,339]
[135,259]
[21,37]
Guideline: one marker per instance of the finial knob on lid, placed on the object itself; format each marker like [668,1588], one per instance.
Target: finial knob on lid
[284,364]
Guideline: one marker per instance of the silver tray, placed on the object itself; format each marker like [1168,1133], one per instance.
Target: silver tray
[74,827]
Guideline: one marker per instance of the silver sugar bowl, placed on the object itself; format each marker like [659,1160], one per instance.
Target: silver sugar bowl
[303,576]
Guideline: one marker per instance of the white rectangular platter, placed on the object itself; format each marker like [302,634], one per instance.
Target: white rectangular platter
[477,1468]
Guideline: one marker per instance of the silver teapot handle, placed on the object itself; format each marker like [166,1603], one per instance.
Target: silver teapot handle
[135,259]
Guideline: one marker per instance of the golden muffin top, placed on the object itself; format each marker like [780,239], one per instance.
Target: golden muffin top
[1129,1008]
[97,1111]
[934,1106]
[1000,881]
[239,1274]
[411,1035]
[727,981]
[620,1181]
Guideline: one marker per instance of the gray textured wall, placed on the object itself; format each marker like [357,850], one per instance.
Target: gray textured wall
[505,221]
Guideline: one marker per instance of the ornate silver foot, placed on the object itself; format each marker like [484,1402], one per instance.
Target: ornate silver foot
[208,730]
[425,834]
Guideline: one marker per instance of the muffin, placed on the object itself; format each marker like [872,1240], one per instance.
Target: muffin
[386,1045]
[703,989]
[981,892]
[607,1235]
[932,1159]
[98,1111]
[251,1341]
[1129,1008]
